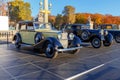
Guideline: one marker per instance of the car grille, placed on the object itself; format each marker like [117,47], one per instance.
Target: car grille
[64,39]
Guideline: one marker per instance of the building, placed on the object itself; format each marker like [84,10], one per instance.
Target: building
[3,10]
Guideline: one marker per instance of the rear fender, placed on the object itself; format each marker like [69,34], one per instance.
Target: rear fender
[17,34]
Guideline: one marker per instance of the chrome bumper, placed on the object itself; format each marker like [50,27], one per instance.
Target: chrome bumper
[68,49]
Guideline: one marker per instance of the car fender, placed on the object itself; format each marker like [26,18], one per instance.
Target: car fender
[76,41]
[52,40]
[17,34]
[95,36]
[109,37]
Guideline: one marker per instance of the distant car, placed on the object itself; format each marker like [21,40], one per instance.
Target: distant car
[113,29]
[95,37]
[42,36]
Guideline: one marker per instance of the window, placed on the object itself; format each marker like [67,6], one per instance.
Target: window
[68,27]
[109,27]
[30,26]
[23,27]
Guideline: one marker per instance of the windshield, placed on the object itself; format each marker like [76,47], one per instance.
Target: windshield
[115,27]
[42,26]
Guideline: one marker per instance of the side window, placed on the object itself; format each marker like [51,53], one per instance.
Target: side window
[74,27]
[78,27]
[30,26]
[23,27]
[68,27]
[109,27]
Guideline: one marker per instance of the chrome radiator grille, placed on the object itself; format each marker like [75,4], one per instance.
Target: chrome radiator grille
[64,39]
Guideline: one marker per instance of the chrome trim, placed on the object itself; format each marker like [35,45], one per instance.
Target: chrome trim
[68,49]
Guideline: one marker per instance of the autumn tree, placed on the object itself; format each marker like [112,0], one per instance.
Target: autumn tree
[69,14]
[82,18]
[19,10]
[59,20]
[51,19]
[98,18]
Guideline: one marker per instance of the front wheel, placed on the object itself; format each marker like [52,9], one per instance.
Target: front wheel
[50,50]
[96,42]
[117,38]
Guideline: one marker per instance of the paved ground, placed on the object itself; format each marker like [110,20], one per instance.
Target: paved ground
[88,64]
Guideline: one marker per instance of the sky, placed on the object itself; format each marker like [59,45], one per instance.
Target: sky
[81,6]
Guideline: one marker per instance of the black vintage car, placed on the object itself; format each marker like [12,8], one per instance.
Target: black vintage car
[95,37]
[113,29]
[42,36]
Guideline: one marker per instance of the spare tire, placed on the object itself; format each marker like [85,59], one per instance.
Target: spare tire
[85,35]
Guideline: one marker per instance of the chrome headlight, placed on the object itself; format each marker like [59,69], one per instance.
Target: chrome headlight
[59,36]
[101,32]
[71,36]
[105,32]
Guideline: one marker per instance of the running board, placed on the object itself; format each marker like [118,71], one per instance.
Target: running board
[68,49]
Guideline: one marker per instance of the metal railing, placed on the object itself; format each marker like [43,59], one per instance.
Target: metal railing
[6,36]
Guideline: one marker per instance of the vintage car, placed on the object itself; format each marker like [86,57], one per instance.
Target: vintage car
[113,29]
[90,35]
[42,36]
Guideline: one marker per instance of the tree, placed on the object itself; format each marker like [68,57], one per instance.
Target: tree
[58,20]
[69,14]
[82,18]
[98,18]
[52,19]
[19,10]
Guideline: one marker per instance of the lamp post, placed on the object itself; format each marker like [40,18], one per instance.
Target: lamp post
[45,9]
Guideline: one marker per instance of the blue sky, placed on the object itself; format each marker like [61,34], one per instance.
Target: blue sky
[82,6]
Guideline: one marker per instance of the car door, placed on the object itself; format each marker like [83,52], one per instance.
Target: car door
[28,33]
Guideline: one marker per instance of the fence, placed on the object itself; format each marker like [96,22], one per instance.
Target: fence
[6,36]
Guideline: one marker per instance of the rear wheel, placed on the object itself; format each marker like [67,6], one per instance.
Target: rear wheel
[96,42]
[17,42]
[50,50]
[117,38]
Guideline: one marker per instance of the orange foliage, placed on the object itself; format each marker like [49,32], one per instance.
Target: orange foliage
[97,18]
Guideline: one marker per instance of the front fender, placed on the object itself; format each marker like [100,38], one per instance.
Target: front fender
[52,40]
[76,41]
[109,37]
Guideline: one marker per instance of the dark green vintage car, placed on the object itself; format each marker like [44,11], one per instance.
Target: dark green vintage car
[45,38]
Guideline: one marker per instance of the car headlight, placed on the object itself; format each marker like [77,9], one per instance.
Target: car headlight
[59,36]
[101,32]
[105,32]
[71,36]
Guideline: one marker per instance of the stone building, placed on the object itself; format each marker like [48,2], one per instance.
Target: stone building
[3,10]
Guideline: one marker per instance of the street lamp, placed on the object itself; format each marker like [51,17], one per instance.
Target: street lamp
[45,9]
